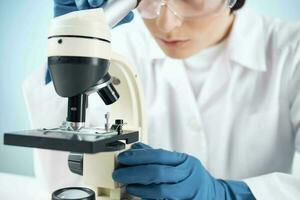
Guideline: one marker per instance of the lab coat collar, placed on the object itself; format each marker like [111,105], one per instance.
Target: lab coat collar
[240,48]
[246,42]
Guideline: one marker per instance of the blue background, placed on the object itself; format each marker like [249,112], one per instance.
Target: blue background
[23,46]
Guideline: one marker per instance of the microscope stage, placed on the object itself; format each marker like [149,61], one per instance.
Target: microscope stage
[80,142]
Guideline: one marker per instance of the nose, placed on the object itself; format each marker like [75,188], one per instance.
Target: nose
[167,20]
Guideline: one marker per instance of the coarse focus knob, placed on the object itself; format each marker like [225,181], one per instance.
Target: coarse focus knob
[75,162]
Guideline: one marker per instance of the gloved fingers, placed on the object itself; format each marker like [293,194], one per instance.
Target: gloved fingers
[61,9]
[140,145]
[64,2]
[82,4]
[151,156]
[149,174]
[96,3]
[160,191]
[127,19]
[88,4]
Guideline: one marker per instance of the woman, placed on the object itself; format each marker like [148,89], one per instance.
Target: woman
[220,87]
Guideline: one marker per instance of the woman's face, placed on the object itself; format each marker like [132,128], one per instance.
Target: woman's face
[183,38]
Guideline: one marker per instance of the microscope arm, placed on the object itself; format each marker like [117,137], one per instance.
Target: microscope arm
[98,168]
[130,105]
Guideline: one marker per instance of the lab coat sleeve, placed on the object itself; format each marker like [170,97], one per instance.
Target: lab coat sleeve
[295,98]
[47,110]
[278,186]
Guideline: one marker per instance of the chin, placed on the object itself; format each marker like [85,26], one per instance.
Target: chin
[178,54]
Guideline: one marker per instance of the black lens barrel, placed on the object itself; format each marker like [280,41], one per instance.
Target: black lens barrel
[109,94]
[77,108]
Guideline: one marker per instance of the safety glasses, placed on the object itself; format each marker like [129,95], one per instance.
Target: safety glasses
[151,9]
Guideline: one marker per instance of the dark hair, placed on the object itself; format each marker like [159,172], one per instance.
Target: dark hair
[239,4]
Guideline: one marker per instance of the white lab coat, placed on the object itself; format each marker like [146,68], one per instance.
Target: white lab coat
[244,125]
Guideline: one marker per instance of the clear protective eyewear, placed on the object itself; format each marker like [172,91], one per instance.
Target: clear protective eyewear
[151,9]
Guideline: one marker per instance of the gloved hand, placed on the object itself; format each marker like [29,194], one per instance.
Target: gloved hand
[62,7]
[159,174]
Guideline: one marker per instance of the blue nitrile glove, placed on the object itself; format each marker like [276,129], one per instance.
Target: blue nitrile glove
[62,7]
[159,174]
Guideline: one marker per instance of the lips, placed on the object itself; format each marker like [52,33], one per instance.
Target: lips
[173,42]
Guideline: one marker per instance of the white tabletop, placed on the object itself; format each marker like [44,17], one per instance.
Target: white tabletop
[15,187]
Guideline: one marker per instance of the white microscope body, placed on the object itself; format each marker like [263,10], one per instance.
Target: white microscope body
[81,62]
[94,30]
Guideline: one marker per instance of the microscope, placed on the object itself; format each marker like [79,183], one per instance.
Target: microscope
[81,62]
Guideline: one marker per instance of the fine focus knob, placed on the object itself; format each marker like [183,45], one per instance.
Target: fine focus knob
[75,162]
